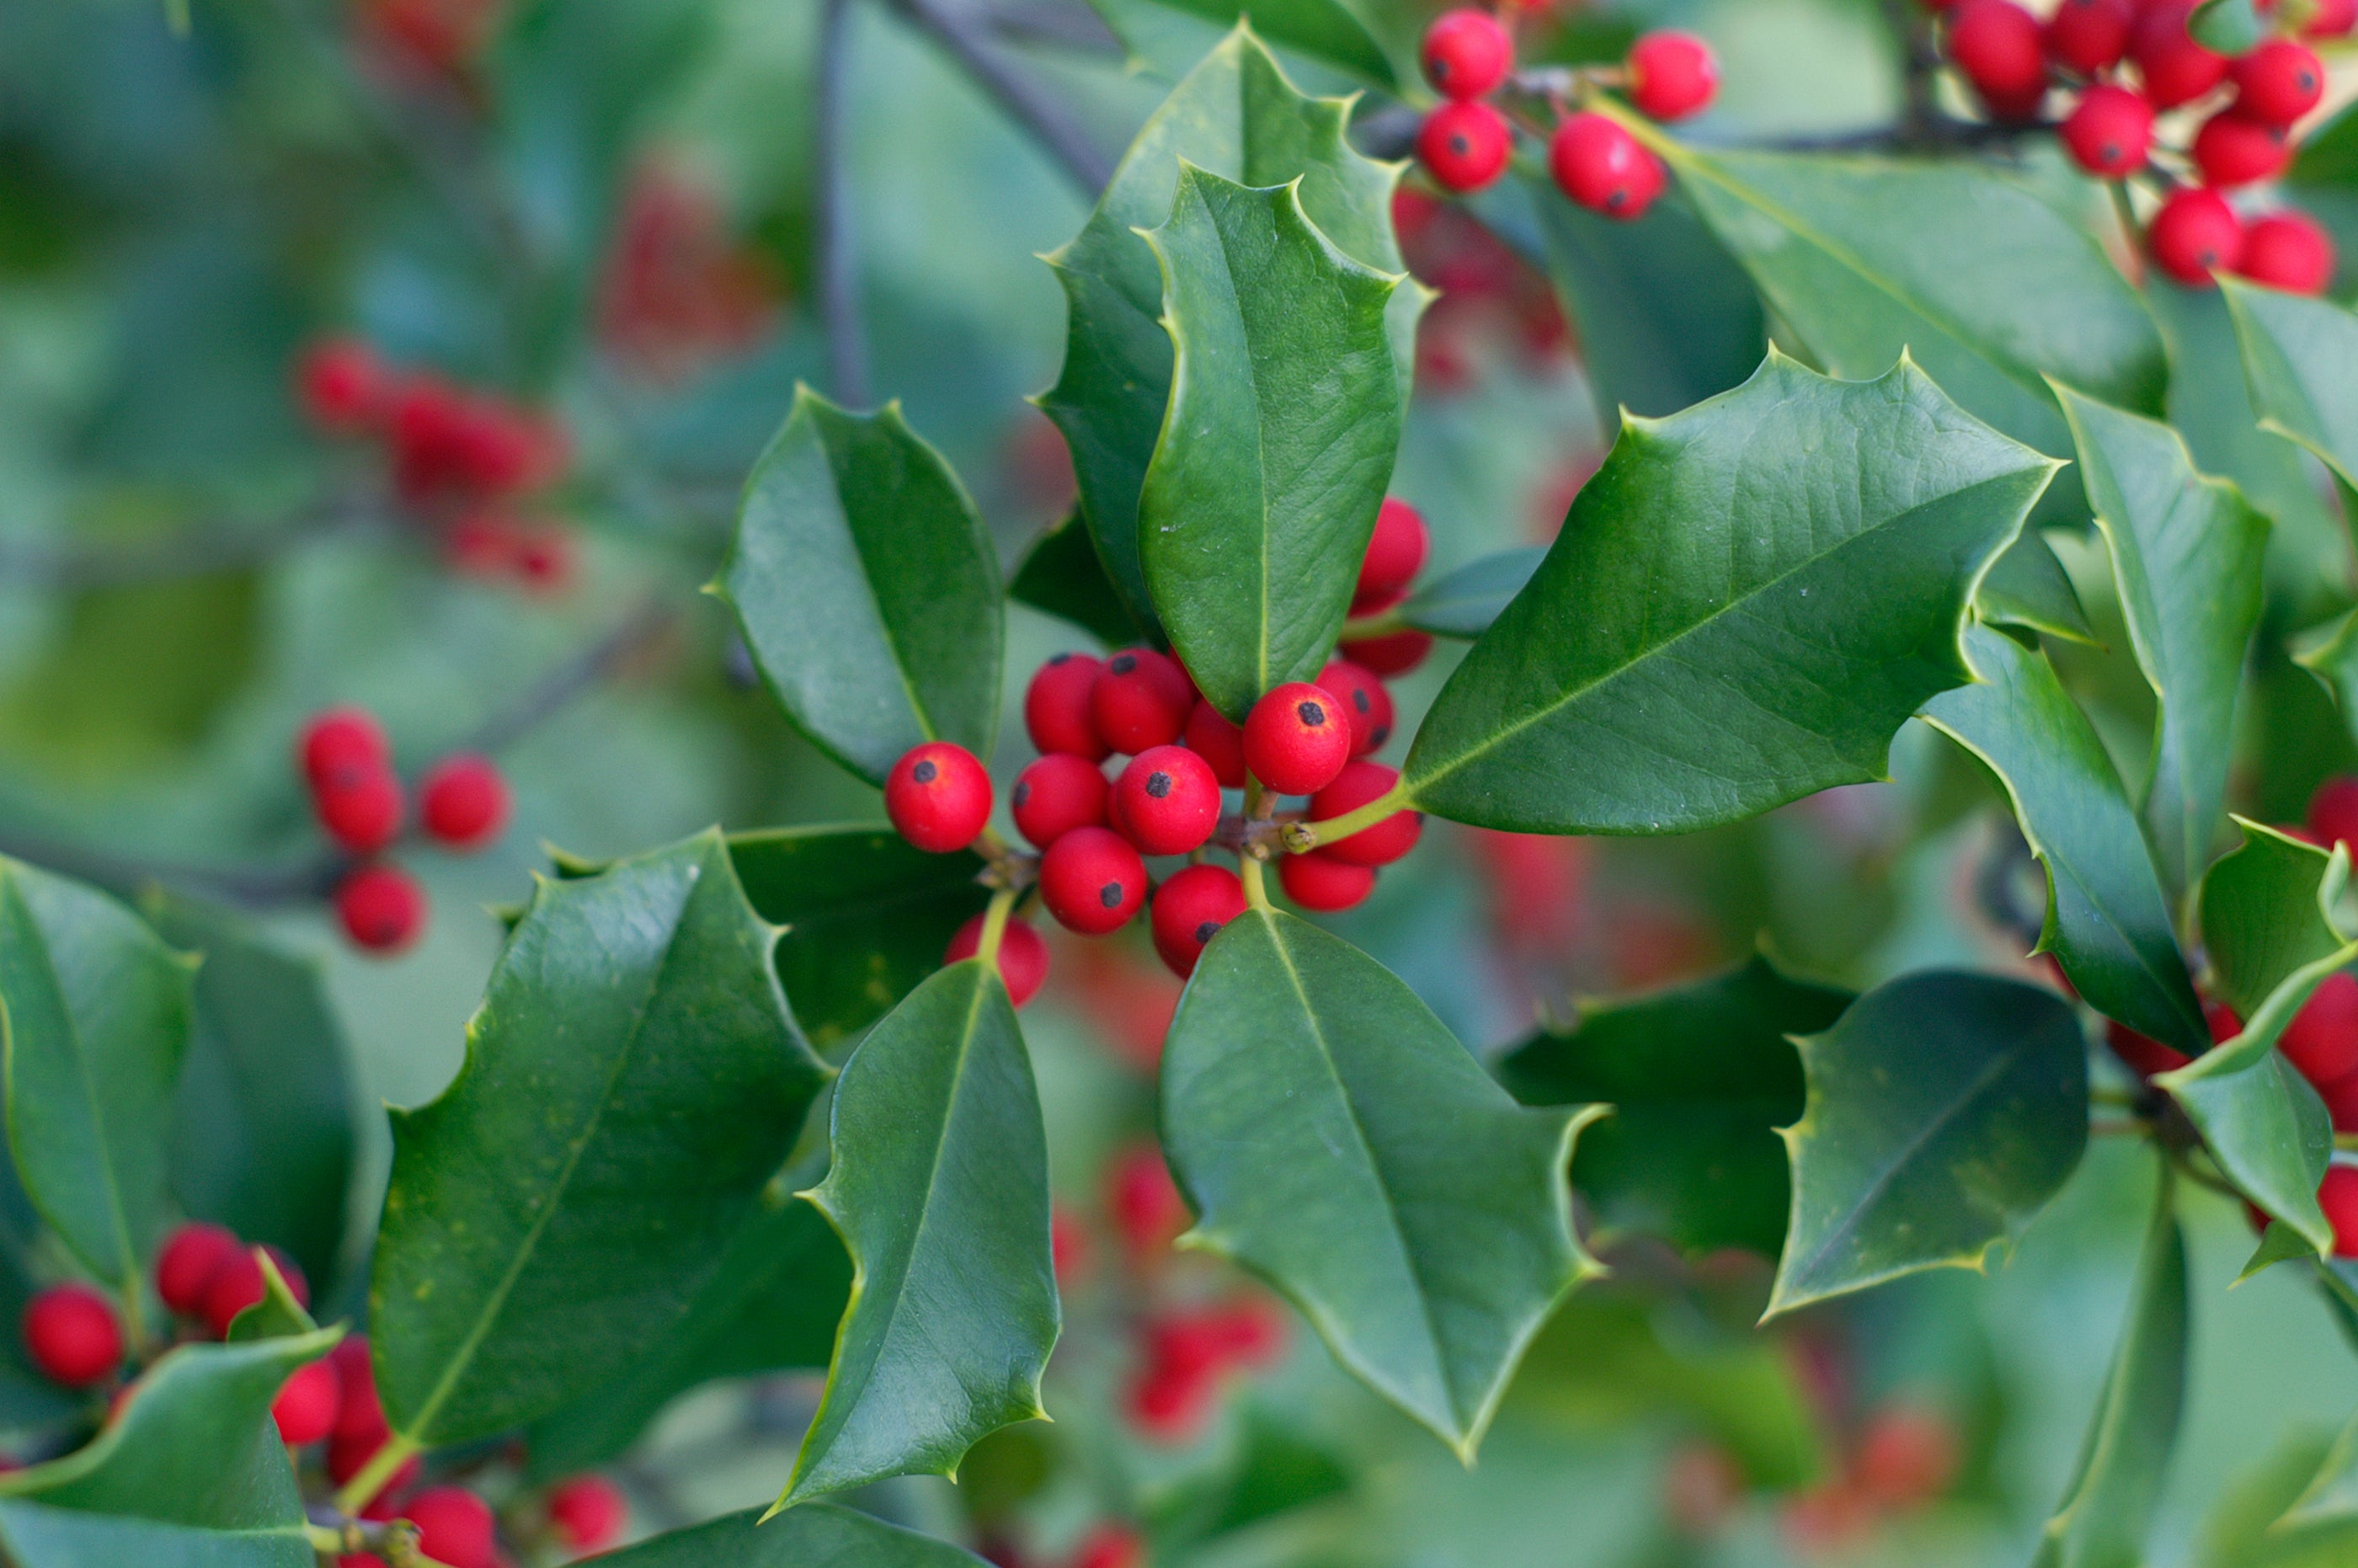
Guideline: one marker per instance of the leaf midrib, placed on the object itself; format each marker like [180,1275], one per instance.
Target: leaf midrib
[868,574]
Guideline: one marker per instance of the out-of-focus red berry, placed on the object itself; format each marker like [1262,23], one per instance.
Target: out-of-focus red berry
[2338,1196]
[2142,1054]
[1466,54]
[2174,69]
[2090,36]
[2194,234]
[342,386]
[2110,132]
[1906,1456]
[1464,147]
[1143,1203]
[236,1285]
[588,1512]
[2290,251]
[343,743]
[2322,1041]
[1394,654]
[1068,1245]
[72,1334]
[1598,163]
[1396,553]
[1022,956]
[1110,1546]
[2000,48]
[462,802]
[2278,82]
[2233,150]
[1359,784]
[1671,75]
[381,907]
[2331,19]
[1365,702]
[359,1415]
[2333,811]
[454,1527]
[186,1263]
[362,812]
[304,1409]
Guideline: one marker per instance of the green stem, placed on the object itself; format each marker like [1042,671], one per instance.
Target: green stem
[1303,836]
[994,927]
[361,1489]
[1382,625]
[1256,884]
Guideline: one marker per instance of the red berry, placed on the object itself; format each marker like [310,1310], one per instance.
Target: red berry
[1365,703]
[2231,150]
[2338,1196]
[186,1263]
[1360,785]
[1394,654]
[542,558]
[588,1512]
[72,1334]
[342,386]
[1057,708]
[1168,1404]
[1599,165]
[1140,699]
[359,1415]
[1297,738]
[1092,881]
[1466,54]
[381,907]
[306,1407]
[1167,801]
[2110,132]
[2333,810]
[1396,552]
[1022,956]
[2288,250]
[2341,1099]
[1110,1546]
[1319,881]
[2194,234]
[236,1285]
[1907,1457]
[1998,46]
[2322,1041]
[2278,82]
[348,1456]
[1464,147]
[2141,1054]
[1671,75]
[1144,1201]
[938,796]
[2331,19]
[1220,744]
[463,802]
[1056,794]
[2090,36]
[2174,69]
[362,812]
[1068,1244]
[343,743]
[1189,911]
[454,1527]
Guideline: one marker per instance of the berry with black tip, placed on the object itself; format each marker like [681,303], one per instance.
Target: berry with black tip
[343,743]
[938,796]
[2194,234]
[2174,67]
[2110,132]
[2338,1196]
[1188,912]
[1363,783]
[1466,54]
[1394,654]
[1671,75]
[361,812]
[2090,36]
[305,1409]
[2000,48]
[1220,744]
[2278,82]
[1297,738]
[1057,708]
[2290,251]
[1464,147]
[1322,883]
[1366,703]
[185,1265]
[454,1527]
[1396,553]
[1022,956]
[72,1334]
[1597,163]
[1168,801]
[2231,150]
[462,802]
[588,1512]
[1093,880]
[1140,699]
[381,907]
[1056,794]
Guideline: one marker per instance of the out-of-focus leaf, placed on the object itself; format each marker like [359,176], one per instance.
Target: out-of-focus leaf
[1324,30]
[2330,653]
[818,1536]
[2301,361]
[2332,1498]
[2230,27]
[1464,602]
[1061,574]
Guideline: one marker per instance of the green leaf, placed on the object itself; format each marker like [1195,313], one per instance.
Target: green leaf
[2278,1243]
[1748,601]
[632,1079]
[1463,603]
[277,1314]
[2267,913]
[1944,1110]
[1284,419]
[2330,653]
[1322,29]
[2027,587]
[263,1128]
[2332,1498]
[2116,1490]
[1335,1139]
[2301,361]
[1236,117]
[2187,553]
[1699,1078]
[819,1536]
[940,1191]
[1061,575]
[94,1010]
[868,588]
[2107,922]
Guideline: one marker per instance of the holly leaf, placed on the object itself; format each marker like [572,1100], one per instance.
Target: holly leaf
[2187,553]
[1324,30]
[1944,1110]
[2108,1509]
[1746,603]
[819,1536]
[2331,1496]
[2027,587]
[95,1015]
[1285,418]
[867,587]
[1062,576]
[2301,361]
[277,1314]
[1699,1077]
[1235,115]
[632,1079]
[2107,922]
[939,1190]
[2330,653]
[1463,603]
[1335,1139]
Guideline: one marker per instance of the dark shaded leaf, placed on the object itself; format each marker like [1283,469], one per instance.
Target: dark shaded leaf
[2027,587]
[1464,602]
[1061,575]
[1322,29]
[819,1536]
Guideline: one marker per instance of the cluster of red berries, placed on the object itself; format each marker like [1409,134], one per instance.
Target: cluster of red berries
[422,40]
[347,762]
[464,460]
[1465,144]
[677,288]
[1301,740]
[2130,62]
[1110,1544]
[203,1275]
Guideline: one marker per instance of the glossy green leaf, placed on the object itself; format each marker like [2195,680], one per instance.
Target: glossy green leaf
[1324,30]
[2187,552]
[94,1009]
[940,1191]
[632,1079]
[1944,1110]
[1285,418]
[2108,921]
[1061,575]
[277,1314]
[1748,601]
[2268,912]
[2116,1490]
[820,1536]
[2330,653]
[2300,362]
[2332,1498]
[1463,603]
[1699,1078]
[1334,1138]
[867,587]
[2027,587]
[2279,1243]
[1236,117]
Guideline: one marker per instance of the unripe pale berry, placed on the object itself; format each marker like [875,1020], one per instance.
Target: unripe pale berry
[2090,36]
[1141,699]
[2322,1041]
[1022,956]
[1360,785]
[1188,912]
[2278,82]
[2231,150]
[1466,54]
[937,796]
[1056,794]
[72,1334]
[186,1263]
[462,802]
[2110,132]
[1671,75]
[304,1409]
[1601,166]
[1394,654]
[1366,703]
[1057,708]
[2338,1196]
[1092,881]
[342,386]
[588,1512]
[2174,68]
[342,743]
[2288,250]
[1297,738]
[1998,46]
[1220,744]
[454,1527]
[1167,801]
[381,907]
[1318,881]
[361,812]
[2193,234]
[1464,147]
[1396,553]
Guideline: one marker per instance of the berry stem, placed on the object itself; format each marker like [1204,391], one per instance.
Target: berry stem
[1303,836]
[994,927]
[1256,884]
[1382,625]
[357,1493]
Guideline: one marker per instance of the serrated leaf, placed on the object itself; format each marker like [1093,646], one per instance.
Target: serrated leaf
[1463,603]
[1324,29]
[1746,603]
[2267,913]
[819,1536]
[1235,115]
[1699,1077]
[2187,552]
[1944,1110]
[2107,922]
[94,1013]
[1061,575]
[2108,1509]
[1334,1138]
[867,587]
[2300,362]
[939,1190]
[632,1079]
[1285,418]
[2027,587]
